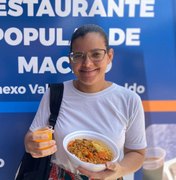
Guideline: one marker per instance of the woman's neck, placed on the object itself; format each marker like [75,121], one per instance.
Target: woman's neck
[91,88]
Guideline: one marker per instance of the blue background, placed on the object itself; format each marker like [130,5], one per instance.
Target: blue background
[152,65]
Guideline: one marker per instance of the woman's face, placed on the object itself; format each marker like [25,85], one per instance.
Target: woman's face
[91,73]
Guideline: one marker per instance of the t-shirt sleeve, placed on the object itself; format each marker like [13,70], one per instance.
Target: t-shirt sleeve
[135,134]
[43,112]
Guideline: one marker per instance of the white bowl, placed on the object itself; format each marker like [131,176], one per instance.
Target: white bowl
[89,135]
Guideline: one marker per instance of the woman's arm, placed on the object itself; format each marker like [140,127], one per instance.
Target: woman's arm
[132,161]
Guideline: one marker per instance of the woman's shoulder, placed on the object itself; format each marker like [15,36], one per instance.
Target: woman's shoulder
[124,92]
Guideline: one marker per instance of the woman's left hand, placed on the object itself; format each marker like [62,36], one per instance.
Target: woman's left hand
[116,170]
[112,172]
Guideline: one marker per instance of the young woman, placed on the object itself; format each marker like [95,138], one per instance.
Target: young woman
[92,103]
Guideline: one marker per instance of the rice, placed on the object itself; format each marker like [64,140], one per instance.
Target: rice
[91,151]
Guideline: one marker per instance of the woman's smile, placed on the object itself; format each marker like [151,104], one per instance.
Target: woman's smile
[89,72]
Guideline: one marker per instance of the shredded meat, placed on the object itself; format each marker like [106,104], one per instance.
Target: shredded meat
[90,151]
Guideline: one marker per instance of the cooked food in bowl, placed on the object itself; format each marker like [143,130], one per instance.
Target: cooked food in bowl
[91,151]
[101,145]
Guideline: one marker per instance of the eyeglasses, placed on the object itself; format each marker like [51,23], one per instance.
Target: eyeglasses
[95,55]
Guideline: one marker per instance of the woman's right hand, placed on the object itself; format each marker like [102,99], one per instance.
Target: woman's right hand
[39,149]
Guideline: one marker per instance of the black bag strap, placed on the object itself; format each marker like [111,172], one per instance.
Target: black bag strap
[56,94]
[39,168]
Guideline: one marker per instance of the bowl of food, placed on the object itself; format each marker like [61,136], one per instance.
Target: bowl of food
[90,150]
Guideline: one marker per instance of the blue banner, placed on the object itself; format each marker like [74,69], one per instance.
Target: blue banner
[34,47]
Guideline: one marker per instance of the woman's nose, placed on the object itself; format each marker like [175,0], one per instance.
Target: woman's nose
[87,60]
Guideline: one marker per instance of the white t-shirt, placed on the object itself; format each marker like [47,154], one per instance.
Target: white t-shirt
[115,112]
